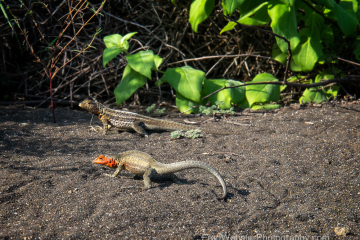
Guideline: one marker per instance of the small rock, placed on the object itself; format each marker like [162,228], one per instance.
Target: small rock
[342,231]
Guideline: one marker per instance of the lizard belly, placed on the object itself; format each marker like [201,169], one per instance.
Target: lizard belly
[120,124]
[136,168]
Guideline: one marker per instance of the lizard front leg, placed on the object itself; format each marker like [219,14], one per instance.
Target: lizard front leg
[147,175]
[105,124]
[118,170]
[136,125]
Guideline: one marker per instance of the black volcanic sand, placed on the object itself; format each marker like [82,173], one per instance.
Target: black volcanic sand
[290,173]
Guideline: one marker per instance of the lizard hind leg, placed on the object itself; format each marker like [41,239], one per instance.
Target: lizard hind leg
[137,126]
[147,175]
[105,124]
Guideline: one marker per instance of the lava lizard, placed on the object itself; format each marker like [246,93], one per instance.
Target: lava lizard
[141,163]
[129,120]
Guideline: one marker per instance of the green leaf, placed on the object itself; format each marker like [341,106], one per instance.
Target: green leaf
[284,23]
[129,83]
[317,94]
[258,18]
[289,3]
[265,106]
[113,40]
[244,104]
[278,55]
[347,20]
[229,26]
[115,44]
[310,49]
[263,93]
[157,61]
[185,104]
[142,62]
[231,6]
[228,96]
[248,8]
[327,35]
[128,36]
[187,81]
[252,13]
[307,55]
[110,53]
[312,95]
[199,11]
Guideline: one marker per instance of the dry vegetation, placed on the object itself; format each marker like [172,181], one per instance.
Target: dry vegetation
[161,26]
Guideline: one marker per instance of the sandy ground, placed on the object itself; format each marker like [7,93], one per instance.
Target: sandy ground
[293,173]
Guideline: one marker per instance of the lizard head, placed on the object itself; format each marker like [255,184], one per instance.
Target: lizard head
[90,105]
[110,162]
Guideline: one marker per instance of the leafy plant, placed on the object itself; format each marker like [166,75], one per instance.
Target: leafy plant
[195,133]
[216,109]
[150,108]
[260,96]
[177,134]
[319,94]
[323,25]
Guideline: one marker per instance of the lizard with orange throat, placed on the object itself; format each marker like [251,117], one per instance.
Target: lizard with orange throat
[140,163]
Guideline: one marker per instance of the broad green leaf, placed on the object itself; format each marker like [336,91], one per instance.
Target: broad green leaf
[313,95]
[317,94]
[327,3]
[110,53]
[310,49]
[294,67]
[308,53]
[278,55]
[265,106]
[185,104]
[199,11]
[347,20]
[157,61]
[289,3]
[187,81]
[252,13]
[249,8]
[284,23]
[128,36]
[142,62]
[244,104]
[231,5]
[113,40]
[263,93]
[129,83]
[258,18]
[224,9]
[327,35]
[228,96]
[344,13]
[332,91]
[229,26]
[115,44]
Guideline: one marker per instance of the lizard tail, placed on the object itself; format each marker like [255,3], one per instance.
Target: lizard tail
[179,166]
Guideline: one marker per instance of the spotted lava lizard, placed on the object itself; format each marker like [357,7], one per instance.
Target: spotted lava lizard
[129,120]
[141,163]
